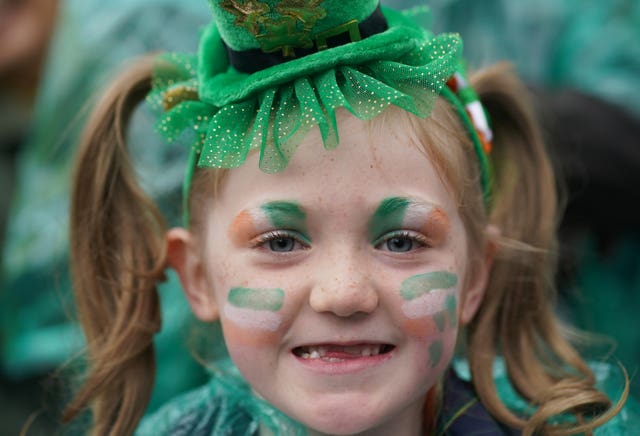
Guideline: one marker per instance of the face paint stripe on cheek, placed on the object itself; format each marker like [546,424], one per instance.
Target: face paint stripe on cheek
[252,319]
[420,300]
[451,306]
[257,299]
[388,216]
[449,313]
[440,319]
[255,308]
[421,284]
[435,353]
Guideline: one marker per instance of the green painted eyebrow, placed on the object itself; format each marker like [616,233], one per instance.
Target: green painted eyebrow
[389,215]
[257,299]
[286,214]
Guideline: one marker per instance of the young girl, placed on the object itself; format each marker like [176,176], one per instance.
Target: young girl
[352,220]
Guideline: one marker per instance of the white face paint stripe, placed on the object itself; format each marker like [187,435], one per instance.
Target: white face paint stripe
[427,304]
[252,319]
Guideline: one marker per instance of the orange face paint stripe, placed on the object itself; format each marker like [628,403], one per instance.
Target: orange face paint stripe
[242,228]
[437,226]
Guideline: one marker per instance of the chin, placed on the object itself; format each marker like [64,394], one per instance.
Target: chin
[339,420]
[347,425]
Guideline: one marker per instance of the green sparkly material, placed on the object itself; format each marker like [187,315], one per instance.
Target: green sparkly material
[229,113]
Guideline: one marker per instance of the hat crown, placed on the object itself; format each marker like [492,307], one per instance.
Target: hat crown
[273,25]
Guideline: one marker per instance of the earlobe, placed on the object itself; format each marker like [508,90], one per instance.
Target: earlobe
[183,256]
[474,293]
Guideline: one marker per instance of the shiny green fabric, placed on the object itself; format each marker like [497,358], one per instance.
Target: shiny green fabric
[226,405]
[275,119]
[227,114]
[240,39]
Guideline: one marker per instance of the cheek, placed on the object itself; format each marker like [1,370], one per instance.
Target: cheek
[247,329]
[253,316]
[428,303]
[428,307]
[258,316]
[437,329]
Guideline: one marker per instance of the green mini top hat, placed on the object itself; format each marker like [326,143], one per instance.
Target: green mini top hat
[274,25]
[267,71]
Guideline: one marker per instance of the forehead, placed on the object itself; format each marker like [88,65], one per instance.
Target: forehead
[373,161]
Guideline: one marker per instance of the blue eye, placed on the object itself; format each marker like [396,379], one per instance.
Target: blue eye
[282,245]
[281,241]
[401,242]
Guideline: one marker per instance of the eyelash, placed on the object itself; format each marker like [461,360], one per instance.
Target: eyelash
[415,237]
[261,241]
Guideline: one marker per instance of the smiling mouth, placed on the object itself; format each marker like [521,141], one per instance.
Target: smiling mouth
[339,353]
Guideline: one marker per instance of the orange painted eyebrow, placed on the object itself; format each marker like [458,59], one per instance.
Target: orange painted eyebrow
[437,226]
[242,228]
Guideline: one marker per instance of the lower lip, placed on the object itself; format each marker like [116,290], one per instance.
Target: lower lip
[344,365]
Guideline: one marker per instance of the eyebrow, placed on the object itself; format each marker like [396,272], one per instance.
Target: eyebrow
[285,214]
[394,212]
[390,213]
[281,214]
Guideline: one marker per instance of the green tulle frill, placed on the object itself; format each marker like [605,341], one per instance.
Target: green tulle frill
[274,120]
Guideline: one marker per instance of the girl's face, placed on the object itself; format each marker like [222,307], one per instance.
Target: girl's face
[340,282]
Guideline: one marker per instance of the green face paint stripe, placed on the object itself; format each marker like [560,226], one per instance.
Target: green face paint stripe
[451,305]
[435,353]
[420,284]
[449,313]
[270,300]
[286,215]
[388,216]
[440,319]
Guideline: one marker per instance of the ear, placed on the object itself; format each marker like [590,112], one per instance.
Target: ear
[184,257]
[474,292]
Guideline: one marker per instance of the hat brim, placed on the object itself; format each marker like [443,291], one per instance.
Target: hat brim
[220,84]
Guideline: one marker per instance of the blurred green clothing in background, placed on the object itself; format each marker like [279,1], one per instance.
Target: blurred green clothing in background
[589,45]
[93,40]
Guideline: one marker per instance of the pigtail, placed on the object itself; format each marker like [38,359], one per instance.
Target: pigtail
[117,259]
[516,318]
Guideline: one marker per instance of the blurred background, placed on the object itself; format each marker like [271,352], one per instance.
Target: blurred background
[580,58]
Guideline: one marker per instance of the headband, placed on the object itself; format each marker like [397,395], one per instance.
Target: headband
[267,71]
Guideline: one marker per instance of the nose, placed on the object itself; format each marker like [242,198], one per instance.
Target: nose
[344,288]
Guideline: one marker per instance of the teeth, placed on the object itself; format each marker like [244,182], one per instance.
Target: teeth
[320,352]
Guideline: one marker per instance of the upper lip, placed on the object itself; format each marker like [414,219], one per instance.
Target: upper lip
[342,343]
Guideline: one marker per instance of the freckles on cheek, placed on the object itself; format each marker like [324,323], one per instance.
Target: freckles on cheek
[251,316]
